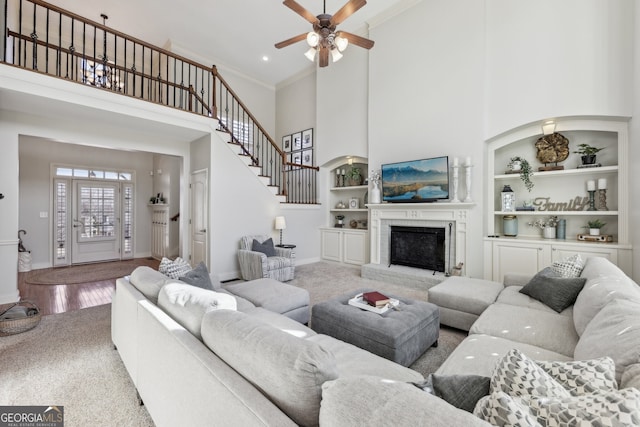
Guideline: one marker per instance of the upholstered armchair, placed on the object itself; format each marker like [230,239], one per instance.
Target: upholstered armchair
[266,261]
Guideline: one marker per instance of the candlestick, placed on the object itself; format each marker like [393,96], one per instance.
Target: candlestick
[602,199]
[468,161]
[455,168]
[455,161]
[467,171]
[602,184]
[591,185]
[592,202]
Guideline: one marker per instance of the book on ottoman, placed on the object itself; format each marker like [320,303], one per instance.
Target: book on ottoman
[357,301]
[375,299]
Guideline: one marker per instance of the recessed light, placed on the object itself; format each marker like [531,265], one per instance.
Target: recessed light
[265,58]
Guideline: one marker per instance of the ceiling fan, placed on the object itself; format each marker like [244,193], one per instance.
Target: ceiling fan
[324,39]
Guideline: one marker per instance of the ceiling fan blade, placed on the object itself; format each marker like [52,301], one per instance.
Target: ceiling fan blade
[297,8]
[347,10]
[324,57]
[357,40]
[291,41]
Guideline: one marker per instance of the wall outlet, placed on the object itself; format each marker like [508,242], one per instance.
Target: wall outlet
[44,214]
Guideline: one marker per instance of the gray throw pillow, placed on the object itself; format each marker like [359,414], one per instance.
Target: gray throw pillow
[461,391]
[199,277]
[553,290]
[265,247]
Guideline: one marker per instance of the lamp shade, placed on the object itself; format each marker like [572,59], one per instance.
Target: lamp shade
[281,224]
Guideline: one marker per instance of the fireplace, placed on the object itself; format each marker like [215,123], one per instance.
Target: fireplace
[420,247]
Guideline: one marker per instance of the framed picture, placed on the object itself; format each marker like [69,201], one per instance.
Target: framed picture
[286,143]
[307,138]
[307,157]
[295,158]
[297,141]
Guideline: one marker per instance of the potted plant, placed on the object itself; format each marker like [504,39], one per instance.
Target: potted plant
[548,226]
[588,153]
[522,166]
[339,218]
[355,176]
[594,227]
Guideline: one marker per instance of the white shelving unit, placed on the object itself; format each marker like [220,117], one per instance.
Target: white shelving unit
[561,193]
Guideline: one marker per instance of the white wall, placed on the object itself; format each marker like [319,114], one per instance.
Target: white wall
[37,156]
[549,58]
[166,180]
[426,95]
[296,107]
[634,152]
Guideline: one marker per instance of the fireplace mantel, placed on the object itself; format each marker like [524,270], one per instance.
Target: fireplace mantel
[383,215]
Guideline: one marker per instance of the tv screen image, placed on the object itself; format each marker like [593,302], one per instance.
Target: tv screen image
[425,180]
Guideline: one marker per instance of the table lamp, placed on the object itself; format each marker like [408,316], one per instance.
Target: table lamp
[281,224]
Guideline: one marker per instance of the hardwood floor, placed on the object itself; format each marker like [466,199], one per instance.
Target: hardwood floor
[53,299]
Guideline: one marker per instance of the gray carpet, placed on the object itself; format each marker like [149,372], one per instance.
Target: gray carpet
[68,359]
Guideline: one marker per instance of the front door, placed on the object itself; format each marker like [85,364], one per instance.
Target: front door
[95,221]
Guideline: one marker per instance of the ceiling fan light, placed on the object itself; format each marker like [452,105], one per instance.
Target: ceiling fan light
[341,43]
[313,38]
[336,55]
[311,54]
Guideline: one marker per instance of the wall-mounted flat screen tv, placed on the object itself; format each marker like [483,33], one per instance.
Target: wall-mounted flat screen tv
[416,181]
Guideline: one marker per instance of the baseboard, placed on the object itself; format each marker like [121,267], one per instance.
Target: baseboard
[10,297]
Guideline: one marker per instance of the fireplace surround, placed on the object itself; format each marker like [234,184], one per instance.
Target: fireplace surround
[450,216]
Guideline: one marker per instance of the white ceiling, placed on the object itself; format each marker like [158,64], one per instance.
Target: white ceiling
[232,33]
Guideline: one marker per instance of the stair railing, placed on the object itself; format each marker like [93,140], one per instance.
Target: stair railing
[44,38]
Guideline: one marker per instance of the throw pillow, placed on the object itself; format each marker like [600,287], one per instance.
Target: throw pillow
[569,267]
[461,391]
[174,269]
[517,375]
[199,277]
[613,332]
[500,409]
[265,247]
[583,376]
[552,290]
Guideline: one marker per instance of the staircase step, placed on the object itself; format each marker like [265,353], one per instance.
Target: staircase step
[274,189]
[281,198]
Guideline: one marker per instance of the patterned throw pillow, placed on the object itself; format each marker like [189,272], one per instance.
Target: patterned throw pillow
[500,409]
[174,269]
[583,376]
[569,267]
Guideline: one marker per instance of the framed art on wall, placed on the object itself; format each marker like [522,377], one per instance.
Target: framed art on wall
[307,138]
[297,141]
[286,143]
[307,157]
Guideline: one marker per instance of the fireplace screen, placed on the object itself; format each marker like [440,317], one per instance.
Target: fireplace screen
[421,247]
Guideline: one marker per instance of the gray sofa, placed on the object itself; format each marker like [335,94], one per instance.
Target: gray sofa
[604,321]
[194,360]
[256,367]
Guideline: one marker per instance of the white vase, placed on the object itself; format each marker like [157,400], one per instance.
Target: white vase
[594,231]
[374,197]
[549,232]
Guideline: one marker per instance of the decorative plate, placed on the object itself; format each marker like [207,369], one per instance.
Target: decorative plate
[552,148]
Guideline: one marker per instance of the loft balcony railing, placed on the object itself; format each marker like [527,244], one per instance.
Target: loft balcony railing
[43,38]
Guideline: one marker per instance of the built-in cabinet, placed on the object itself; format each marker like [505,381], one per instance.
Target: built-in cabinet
[347,242]
[562,193]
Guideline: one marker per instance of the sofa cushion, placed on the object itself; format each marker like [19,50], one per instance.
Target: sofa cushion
[373,401]
[605,282]
[199,277]
[631,376]
[174,269]
[569,267]
[465,294]
[613,332]
[511,295]
[265,247]
[281,322]
[352,360]
[187,304]
[288,370]
[553,290]
[548,330]
[148,281]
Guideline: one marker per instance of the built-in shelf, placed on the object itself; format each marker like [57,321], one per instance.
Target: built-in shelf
[349,210]
[350,187]
[558,213]
[555,174]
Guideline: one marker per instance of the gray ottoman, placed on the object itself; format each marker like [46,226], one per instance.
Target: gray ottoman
[463,299]
[275,296]
[400,335]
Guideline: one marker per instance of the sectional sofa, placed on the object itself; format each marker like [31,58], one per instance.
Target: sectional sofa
[250,366]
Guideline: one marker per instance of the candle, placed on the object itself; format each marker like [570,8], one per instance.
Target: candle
[455,161]
[342,172]
[468,163]
[602,184]
[591,185]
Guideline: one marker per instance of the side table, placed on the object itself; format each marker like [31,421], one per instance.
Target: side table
[286,246]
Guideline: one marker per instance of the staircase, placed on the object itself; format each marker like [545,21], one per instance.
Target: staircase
[106,59]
